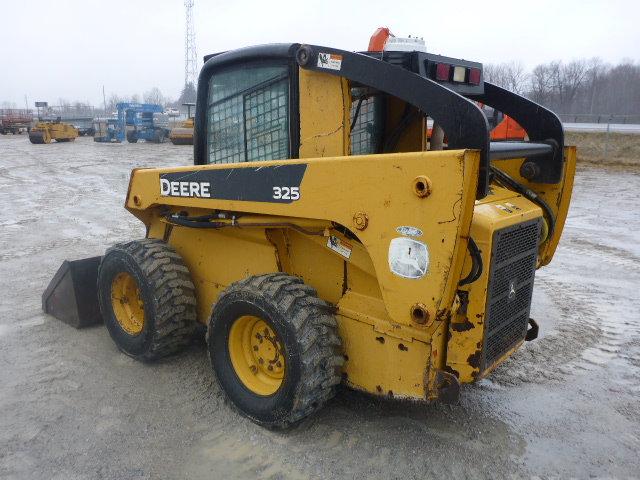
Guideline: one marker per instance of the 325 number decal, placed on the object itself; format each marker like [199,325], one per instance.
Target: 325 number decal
[286,193]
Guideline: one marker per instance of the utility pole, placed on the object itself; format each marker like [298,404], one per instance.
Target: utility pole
[104,100]
[190,55]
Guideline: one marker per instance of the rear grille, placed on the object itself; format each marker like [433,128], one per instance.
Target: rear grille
[513,264]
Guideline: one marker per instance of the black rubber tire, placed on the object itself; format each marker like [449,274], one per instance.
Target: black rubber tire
[166,290]
[131,137]
[308,330]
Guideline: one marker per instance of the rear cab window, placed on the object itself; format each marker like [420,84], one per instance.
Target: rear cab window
[248,114]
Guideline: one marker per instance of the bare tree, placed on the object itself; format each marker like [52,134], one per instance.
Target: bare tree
[154,96]
[112,102]
[509,75]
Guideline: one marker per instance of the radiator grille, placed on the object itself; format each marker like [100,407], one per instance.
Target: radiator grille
[513,264]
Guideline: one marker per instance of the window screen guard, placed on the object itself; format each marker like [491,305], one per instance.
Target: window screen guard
[247,116]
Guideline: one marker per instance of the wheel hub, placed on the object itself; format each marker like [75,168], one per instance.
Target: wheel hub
[127,303]
[256,355]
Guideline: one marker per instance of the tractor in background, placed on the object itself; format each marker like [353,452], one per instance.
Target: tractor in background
[47,130]
[183,133]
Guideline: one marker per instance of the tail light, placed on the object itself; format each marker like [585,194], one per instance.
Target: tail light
[474,76]
[443,71]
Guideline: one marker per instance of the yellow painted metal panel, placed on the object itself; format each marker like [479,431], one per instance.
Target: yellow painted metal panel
[466,331]
[382,186]
[381,364]
[324,115]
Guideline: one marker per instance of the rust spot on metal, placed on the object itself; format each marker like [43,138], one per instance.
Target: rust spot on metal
[462,326]
[390,393]
[443,315]
[422,186]
[448,387]
[378,388]
[419,314]
[380,339]
[474,359]
[450,370]
[403,347]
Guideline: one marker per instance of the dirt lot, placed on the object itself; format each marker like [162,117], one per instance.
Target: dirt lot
[73,407]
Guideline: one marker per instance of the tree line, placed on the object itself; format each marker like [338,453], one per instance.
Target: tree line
[154,95]
[585,86]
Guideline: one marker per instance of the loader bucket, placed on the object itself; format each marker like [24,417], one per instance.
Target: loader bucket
[72,294]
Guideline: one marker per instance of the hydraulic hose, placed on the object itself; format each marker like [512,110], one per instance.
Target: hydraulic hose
[476,266]
[508,181]
[204,221]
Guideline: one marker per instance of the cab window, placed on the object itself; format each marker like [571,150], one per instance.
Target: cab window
[248,114]
[366,109]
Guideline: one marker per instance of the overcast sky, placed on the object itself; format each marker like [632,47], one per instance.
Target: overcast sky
[71,48]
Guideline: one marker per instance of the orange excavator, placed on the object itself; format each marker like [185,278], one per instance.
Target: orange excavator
[503,127]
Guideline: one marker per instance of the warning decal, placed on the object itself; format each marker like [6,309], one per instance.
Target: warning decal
[341,247]
[330,61]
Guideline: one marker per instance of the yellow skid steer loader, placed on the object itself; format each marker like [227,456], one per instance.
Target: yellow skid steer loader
[322,240]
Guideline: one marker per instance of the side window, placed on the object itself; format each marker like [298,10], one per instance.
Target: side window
[366,110]
[248,114]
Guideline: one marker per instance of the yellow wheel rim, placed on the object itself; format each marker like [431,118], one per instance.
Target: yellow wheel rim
[127,304]
[257,355]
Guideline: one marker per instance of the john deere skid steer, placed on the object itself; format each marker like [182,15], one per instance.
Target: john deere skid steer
[322,239]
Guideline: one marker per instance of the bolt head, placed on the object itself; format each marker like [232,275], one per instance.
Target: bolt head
[360,220]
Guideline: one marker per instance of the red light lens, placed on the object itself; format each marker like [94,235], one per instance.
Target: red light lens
[442,72]
[474,76]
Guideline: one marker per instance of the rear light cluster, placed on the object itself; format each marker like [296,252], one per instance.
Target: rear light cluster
[456,73]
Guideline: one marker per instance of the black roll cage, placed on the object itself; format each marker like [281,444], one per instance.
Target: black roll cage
[463,122]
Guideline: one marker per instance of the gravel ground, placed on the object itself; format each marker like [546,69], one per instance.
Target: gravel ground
[73,407]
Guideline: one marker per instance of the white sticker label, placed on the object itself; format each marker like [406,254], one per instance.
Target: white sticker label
[408,258]
[409,231]
[330,61]
[339,246]
[503,208]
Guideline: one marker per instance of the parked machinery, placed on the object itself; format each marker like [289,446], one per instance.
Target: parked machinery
[105,130]
[183,134]
[142,121]
[45,131]
[14,121]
